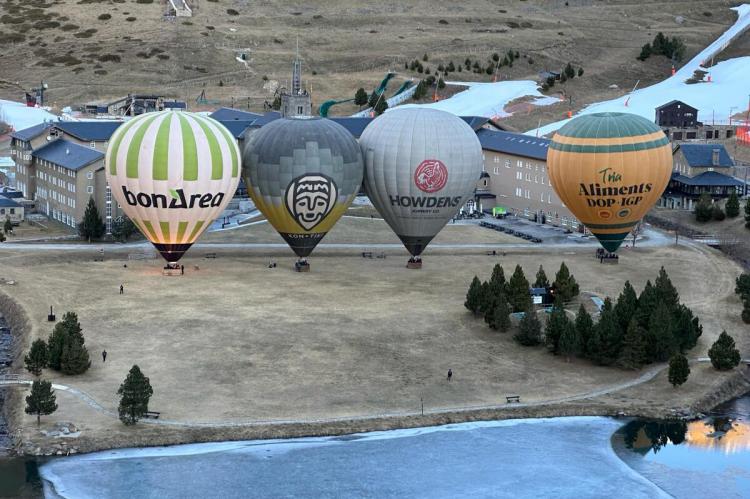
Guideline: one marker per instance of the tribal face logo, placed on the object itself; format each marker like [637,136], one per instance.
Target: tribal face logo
[310,198]
[431,175]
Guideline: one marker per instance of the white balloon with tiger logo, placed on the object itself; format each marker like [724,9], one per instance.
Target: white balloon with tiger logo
[173,173]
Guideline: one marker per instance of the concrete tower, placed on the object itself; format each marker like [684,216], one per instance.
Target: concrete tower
[296,101]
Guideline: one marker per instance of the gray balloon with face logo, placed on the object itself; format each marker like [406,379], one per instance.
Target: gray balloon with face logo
[302,174]
[421,166]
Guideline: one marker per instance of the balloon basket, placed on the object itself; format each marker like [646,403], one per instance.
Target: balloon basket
[301,266]
[414,264]
[172,269]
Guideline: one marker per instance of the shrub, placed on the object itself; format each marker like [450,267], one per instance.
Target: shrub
[232,12]
[104,17]
[718,214]
[130,19]
[723,353]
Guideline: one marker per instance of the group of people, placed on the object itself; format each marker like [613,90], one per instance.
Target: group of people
[603,254]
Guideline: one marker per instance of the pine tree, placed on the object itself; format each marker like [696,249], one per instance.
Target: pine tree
[380,107]
[747,214]
[633,353]
[662,343]
[555,326]
[723,353]
[74,358]
[123,229]
[67,331]
[645,52]
[529,329]
[541,279]
[732,206]
[584,327]
[501,315]
[41,401]
[569,71]
[703,208]
[580,72]
[497,281]
[626,306]
[518,291]
[742,286]
[687,328]
[565,284]
[473,296]
[36,359]
[746,312]
[679,370]
[135,393]
[373,99]
[360,97]
[91,227]
[647,302]
[570,340]
[606,341]
[486,298]
[441,83]
[7,226]
[666,293]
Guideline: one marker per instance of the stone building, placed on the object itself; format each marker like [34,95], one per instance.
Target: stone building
[296,101]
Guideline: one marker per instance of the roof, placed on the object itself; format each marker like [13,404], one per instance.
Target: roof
[701,155]
[708,179]
[228,114]
[11,193]
[236,128]
[67,154]
[8,203]
[98,130]
[267,118]
[673,102]
[516,144]
[175,105]
[355,126]
[475,122]
[29,133]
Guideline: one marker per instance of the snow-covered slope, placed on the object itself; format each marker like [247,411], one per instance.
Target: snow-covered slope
[728,89]
[19,116]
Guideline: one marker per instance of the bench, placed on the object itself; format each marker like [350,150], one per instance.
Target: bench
[151,414]
[492,253]
[210,255]
[512,399]
[367,254]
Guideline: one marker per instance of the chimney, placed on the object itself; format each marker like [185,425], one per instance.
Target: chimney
[715,157]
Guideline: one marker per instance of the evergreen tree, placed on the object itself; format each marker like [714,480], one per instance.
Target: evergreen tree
[541,279]
[662,343]
[473,296]
[659,44]
[518,291]
[36,359]
[666,293]
[687,328]
[41,400]
[486,298]
[380,107]
[606,341]
[570,340]
[580,72]
[647,302]
[495,57]
[626,306]
[451,67]
[704,208]
[569,71]
[373,99]
[584,327]
[135,393]
[633,353]
[679,370]
[747,214]
[74,358]
[732,206]
[425,58]
[645,52]
[556,324]
[67,331]
[529,329]
[565,284]
[360,97]
[441,83]
[122,230]
[746,312]
[7,226]
[91,227]
[717,213]
[723,353]
[497,281]
[501,315]
[742,286]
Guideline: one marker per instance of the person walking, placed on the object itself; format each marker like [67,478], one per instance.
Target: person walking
[182,270]
[104,356]
[450,374]
[122,289]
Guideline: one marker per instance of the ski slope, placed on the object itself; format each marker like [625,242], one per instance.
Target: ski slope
[488,99]
[20,116]
[728,89]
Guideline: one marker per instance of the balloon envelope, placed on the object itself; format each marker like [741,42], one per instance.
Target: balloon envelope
[302,175]
[609,169]
[421,166]
[172,173]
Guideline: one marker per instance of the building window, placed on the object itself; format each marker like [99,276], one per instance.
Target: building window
[90,189]
[528,177]
[496,170]
[90,175]
[93,145]
[536,179]
[519,192]
[541,199]
[519,163]
[519,175]
[507,163]
[528,194]
[549,198]
[497,159]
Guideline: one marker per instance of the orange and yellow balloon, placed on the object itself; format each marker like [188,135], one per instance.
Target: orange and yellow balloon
[609,169]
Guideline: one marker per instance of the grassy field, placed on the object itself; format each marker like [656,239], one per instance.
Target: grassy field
[234,340]
[103,49]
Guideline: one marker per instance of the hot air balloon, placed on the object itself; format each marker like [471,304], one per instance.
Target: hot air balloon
[421,166]
[302,174]
[609,169]
[173,173]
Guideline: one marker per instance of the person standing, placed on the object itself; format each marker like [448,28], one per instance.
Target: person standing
[450,374]
[104,356]
[122,289]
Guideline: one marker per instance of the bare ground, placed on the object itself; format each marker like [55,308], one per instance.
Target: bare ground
[235,341]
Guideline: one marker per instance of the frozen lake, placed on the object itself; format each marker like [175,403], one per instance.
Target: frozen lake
[564,457]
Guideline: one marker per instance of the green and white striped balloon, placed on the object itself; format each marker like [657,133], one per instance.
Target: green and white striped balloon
[173,173]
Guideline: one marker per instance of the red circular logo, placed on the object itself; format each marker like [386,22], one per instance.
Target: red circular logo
[431,175]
